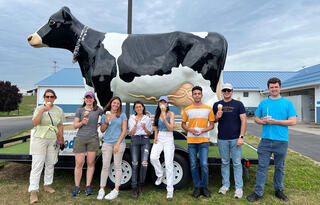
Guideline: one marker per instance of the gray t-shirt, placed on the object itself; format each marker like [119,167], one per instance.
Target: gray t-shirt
[90,129]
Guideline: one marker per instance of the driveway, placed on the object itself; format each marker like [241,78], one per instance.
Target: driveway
[303,138]
[11,125]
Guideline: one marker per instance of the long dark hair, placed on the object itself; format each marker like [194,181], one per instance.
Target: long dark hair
[134,106]
[157,114]
[108,106]
[95,105]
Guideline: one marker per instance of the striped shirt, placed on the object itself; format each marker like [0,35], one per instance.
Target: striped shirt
[198,117]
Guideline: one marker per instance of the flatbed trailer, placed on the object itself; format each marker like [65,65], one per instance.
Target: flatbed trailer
[17,150]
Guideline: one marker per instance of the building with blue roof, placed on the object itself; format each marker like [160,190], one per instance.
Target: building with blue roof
[301,87]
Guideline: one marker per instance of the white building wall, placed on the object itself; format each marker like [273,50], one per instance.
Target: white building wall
[317,103]
[65,95]
[252,100]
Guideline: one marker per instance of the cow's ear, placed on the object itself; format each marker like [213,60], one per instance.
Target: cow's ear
[66,15]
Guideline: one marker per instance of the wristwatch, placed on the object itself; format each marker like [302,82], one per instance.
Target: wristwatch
[241,137]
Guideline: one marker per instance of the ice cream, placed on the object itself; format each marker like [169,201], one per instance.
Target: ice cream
[49,104]
[108,115]
[86,114]
[220,107]
[163,108]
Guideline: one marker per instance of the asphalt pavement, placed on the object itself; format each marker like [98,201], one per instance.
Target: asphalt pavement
[303,138]
[11,125]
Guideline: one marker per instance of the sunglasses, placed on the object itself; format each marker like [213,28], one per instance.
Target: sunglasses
[226,90]
[49,96]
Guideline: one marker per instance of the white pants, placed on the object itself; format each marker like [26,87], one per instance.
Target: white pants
[49,159]
[165,143]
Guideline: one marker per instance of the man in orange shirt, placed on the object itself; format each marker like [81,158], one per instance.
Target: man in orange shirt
[198,115]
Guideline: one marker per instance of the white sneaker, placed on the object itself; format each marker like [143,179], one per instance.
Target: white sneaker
[169,194]
[223,190]
[238,194]
[159,180]
[112,195]
[101,194]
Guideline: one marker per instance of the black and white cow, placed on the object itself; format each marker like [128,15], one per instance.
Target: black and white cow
[137,64]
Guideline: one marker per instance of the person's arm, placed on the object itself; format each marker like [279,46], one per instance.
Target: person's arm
[147,127]
[289,122]
[37,119]
[260,121]
[243,119]
[60,129]
[122,135]
[77,123]
[170,125]
[132,124]
[156,131]
[210,127]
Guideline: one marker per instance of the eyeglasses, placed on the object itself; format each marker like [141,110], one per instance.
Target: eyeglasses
[226,90]
[49,96]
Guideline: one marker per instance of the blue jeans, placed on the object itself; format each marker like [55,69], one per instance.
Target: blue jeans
[193,150]
[265,149]
[139,148]
[225,148]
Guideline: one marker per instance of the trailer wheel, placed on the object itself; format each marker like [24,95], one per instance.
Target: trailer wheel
[126,172]
[181,172]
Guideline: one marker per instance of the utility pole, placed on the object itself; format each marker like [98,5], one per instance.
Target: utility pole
[129,31]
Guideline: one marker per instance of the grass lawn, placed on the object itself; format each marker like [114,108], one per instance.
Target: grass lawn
[302,185]
[26,107]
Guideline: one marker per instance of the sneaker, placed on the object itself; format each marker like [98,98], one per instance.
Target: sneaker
[196,193]
[253,197]
[238,194]
[169,194]
[140,190]
[101,194]
[223,190]
[112,195]
[88,190]
[34,196]
[76,191]
[206,192]
[280,195]
[49,189]
[159,180]
[135,194]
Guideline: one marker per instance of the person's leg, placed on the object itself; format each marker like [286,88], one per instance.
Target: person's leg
[280,151]
[145,150]
[79,158]
[107,150]
[36,169]
[236,152]
[134,150]
[168,159]
[193,150]
[264,154]
[50,161]
[224,151]
[155,156]
[203,156]
[91,158]
[118,165]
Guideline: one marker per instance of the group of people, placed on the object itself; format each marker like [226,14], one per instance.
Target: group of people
[274,113]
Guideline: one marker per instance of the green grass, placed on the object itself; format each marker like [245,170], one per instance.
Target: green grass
[302,185]
[26,107]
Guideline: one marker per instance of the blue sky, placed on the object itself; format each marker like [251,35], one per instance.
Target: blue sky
[262,35]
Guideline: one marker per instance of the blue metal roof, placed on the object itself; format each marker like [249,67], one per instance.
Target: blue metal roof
[64,77]
[305,76]
[253,80]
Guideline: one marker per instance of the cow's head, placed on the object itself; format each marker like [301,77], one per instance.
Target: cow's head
[59,32]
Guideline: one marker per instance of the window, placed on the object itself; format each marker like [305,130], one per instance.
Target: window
[245,94]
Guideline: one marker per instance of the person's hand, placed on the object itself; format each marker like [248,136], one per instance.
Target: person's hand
[163,115]
[46,108]
[116,148]
[143,125]
[194,131]
[85,121]
[155,141]
[271,121]
[219,114]
[108,119]
[264,120]
[240,141]
[62,146]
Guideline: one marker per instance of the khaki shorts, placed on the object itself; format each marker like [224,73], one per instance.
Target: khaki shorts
[82,145]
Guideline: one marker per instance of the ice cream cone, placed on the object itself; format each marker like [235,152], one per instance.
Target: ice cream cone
[163,108]
[49,104]
[220,107]
[86,114]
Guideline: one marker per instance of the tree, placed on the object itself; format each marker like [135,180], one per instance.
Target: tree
[10,98]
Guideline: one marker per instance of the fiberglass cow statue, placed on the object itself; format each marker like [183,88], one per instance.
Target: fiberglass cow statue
[139,66]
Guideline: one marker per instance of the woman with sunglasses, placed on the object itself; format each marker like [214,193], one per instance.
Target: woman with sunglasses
[163,141]
[114,124]
[87,140]
[48,122]
[140,128]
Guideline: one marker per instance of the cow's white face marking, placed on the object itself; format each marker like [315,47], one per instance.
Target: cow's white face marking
[154,85]
[200,34]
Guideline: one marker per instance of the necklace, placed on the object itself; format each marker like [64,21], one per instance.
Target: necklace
[75,53]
